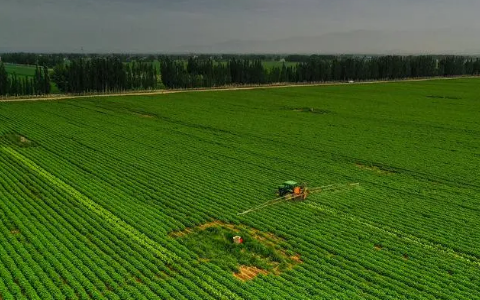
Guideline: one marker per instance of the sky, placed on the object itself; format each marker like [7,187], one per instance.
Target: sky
[170,26]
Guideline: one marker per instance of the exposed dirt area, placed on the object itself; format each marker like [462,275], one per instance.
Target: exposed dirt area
[375,169]
[248,273]
[15,231]
[270,265]
[138,280]
[377,247]
[144,115]
[406,257]
[296,258]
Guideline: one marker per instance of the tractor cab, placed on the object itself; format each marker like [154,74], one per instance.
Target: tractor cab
[292,190]
[287,188]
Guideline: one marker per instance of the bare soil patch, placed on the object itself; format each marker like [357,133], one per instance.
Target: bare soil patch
[248,273]
[378,247]
[297,258]
[373,168]
[144,115]
[243,259]
[15,231]
[138,280]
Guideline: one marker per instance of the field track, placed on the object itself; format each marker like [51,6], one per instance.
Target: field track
[162,92]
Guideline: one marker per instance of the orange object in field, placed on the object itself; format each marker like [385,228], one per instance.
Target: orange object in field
[296,190]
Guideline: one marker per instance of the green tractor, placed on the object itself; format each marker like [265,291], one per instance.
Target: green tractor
[291,190]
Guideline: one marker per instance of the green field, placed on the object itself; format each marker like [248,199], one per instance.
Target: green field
[20,70]
[138,197]
[28,71]
[266,63]
[271,64]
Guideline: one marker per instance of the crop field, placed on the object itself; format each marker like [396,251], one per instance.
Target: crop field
[20,70]
[266,63]
[139,197]
[27,71]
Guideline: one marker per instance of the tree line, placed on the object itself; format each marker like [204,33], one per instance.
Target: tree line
[113,74]
[13,85]
[104,75]
[197,72]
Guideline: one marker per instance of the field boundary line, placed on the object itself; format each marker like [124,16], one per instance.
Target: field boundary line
[223,89]
[397,234]
[162,253]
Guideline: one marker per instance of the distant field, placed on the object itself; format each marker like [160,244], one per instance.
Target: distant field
[271,64]
[20,70]
[138,197]
[266,64]
[28,71]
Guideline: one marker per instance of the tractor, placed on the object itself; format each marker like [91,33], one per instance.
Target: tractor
[293,191]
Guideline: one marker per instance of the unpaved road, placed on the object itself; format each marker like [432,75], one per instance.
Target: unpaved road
[165,92]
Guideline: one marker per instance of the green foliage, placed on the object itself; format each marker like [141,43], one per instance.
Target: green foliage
[89,212]
[17,80]
[20,70]
[216,245]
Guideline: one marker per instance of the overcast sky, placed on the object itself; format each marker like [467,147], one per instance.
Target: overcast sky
[167,25]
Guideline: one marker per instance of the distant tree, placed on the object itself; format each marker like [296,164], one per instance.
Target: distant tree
[3,80]
[46,80]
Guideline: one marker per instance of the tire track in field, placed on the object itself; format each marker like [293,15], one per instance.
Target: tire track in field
[162,253]
[165,92]
[397,234]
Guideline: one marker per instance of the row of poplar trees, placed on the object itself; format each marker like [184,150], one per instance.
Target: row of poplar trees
[207,73]
[111,74]
[13,85]
[104,75]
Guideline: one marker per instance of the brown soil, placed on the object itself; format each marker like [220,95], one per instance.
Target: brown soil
[162,275]
[297,258]
[406,257]
[15,231]
[138,280]
[144,115]
[374,169]
[248,273]
[378,247]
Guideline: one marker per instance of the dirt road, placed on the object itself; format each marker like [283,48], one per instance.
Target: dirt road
[165,92]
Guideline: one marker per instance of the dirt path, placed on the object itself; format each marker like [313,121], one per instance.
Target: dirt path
[165,92]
